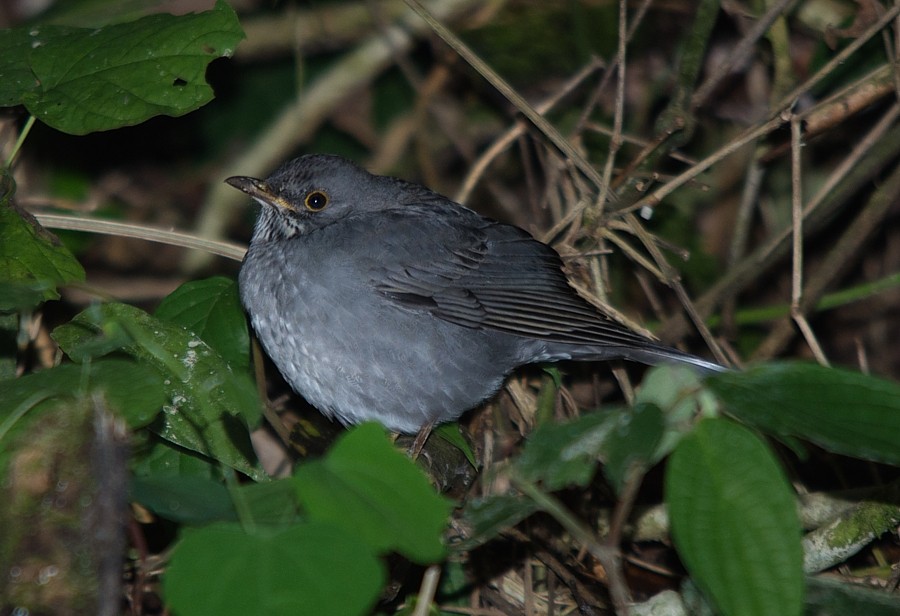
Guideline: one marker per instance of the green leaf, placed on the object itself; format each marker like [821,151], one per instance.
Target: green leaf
[671,387]
[33,262]
[153,456]
[634,443]
[843,411]
[90,79]
[680,393]
[734,521]
[93,13]
[193,499]
[486,518]
[20,297]
[833,597]
[208,404]
[134,391]
[16,78]
[190,500]
[560,455]
[450,433]
[545,406]
[27,399]
[211,309]
[270,503]
[312,568]
[376,493]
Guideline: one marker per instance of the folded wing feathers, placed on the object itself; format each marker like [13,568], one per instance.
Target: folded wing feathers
[507,285]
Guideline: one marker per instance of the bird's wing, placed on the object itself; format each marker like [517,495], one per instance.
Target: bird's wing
[478,273]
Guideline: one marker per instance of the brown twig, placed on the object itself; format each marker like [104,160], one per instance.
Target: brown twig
[740,53]
[838,259]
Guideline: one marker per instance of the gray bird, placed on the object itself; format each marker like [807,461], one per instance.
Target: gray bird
[379,299]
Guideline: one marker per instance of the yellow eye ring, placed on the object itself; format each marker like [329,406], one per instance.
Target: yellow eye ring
[316,201]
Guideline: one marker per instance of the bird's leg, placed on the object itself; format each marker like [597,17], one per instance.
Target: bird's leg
[421,437]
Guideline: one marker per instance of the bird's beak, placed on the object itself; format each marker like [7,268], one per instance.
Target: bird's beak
[259,190]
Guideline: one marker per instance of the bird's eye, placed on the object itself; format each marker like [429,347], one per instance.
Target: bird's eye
[316,201]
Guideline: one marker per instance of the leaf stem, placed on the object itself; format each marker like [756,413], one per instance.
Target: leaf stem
[25,130]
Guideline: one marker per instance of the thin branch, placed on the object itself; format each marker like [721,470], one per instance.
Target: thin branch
[868,157]
[220,248]
[796,213]
[740,52]
[777,119]
[615,141]
[797,241]
[838,259]
[477,169]
[510,93]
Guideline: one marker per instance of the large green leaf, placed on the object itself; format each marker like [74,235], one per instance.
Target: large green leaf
[734,521]
[154,456]
[80,80]
[16,79]
[634,443]
[33,262]
[133,390]
[376,493]
[211,309]
[189,499]
[193,499]
[209,405]
[560,455]
[312,568]
[566,454]
[846,412]
[681,394]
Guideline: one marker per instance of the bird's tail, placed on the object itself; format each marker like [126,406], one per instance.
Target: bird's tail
[655,355]
[646,353]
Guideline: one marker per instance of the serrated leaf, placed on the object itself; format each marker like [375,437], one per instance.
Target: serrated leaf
[311,568]
[31,258]
[845,412]
[560,455]
[211,309]
[373,491]
[734,521]
[91,79]
[208,404]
